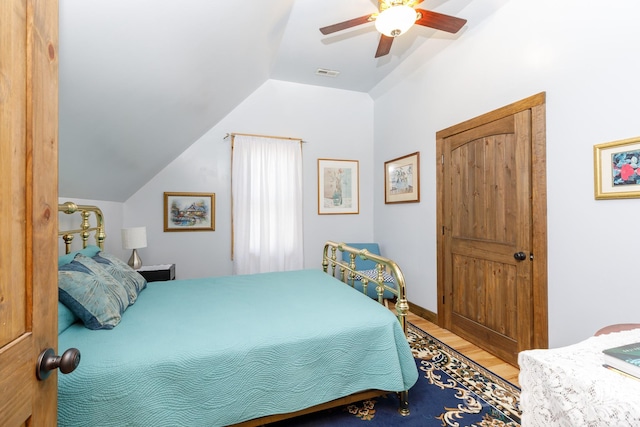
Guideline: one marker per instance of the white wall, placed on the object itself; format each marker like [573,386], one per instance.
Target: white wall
[335,124]
[584,54]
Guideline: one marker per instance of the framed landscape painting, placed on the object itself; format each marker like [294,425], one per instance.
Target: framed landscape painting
[402,179]
[189,211]
[617,169]
[338,187]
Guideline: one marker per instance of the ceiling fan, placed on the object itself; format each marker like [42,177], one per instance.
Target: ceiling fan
[395,17]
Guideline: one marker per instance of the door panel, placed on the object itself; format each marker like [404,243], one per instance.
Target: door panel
[485,220]
[486,215]
[28,208]
[480,296]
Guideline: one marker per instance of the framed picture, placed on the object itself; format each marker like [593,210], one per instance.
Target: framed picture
[617,169]
[402,179]
[338,187]
[189,211]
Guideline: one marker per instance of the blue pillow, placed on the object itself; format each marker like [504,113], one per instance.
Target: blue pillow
[91,293]
[130,279]
[89,251]
[66,318]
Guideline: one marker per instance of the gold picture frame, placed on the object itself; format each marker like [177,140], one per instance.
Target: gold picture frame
[617,169]
[189,211]
[402,179]
[338,187]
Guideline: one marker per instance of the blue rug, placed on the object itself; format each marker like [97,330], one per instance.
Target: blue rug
[452,391]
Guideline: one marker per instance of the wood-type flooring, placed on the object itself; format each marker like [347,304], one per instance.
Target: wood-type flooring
[473,352]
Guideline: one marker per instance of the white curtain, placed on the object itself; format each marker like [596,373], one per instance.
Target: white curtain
[266,187]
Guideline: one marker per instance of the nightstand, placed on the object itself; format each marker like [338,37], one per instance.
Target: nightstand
[158,273]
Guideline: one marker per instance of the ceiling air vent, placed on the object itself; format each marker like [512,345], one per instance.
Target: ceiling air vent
[328,73]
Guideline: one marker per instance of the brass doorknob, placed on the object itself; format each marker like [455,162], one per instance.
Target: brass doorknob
[48,361]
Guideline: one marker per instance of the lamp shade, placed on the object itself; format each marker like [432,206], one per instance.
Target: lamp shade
[134,237]
[396,20]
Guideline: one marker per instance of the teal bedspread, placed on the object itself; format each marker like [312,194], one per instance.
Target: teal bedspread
[218,351]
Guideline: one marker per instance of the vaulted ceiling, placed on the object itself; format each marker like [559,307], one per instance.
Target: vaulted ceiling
[142,80]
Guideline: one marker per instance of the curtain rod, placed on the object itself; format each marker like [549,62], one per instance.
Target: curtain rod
[264,136]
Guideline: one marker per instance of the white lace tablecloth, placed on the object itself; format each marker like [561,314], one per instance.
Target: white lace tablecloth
[568,386]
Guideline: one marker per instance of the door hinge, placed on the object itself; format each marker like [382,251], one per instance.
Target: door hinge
[443,230]
[442,299]
[442,160]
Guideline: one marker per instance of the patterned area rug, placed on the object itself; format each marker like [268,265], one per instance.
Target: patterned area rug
[452,391]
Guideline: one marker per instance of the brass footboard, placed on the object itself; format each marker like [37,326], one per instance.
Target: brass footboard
[346,271]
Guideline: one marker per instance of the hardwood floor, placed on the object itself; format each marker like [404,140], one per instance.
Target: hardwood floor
[489,361]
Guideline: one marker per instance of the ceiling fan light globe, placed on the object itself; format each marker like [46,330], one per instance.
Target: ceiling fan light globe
[396,20]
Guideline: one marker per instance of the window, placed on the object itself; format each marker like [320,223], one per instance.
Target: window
[266,191]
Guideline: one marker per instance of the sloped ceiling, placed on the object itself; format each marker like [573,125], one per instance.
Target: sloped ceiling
[142,80]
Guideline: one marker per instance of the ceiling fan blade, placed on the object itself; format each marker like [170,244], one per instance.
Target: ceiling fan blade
[384,46]
[346,24]
[436,20]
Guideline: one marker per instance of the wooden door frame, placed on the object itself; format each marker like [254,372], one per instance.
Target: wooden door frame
[537,105]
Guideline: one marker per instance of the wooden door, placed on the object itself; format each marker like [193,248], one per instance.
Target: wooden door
[492,229]
[28,208]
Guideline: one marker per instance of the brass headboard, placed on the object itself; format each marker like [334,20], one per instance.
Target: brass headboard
[85,229]
[346,271]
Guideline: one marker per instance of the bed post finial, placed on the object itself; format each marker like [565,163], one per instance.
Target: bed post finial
[68,207]
[68,239]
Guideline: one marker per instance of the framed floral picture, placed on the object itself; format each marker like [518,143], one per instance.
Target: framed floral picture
[617,169]
[402,179]
[189,211]
[338,187]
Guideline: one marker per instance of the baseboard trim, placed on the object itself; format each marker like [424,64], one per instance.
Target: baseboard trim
[424,313]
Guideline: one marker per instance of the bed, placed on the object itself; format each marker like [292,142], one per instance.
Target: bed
[237,350]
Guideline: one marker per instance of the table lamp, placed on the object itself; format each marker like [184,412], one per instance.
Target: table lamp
[134,238]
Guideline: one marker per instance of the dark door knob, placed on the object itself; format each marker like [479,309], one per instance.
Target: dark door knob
[48,361]
[520,256]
